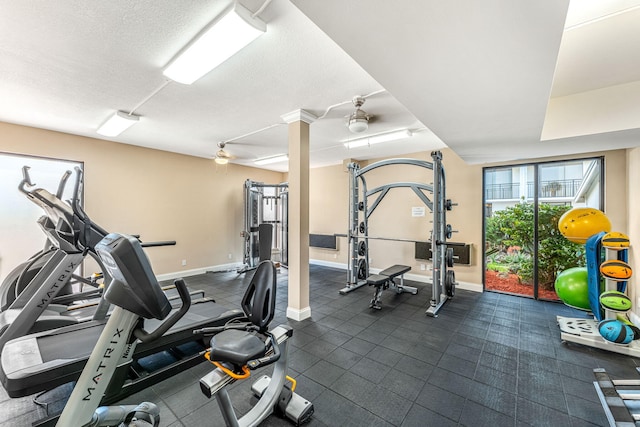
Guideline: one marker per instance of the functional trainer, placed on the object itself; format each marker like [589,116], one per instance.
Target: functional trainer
[265,223]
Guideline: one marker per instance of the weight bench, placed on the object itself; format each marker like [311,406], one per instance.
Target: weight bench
[385,280]
[620,399]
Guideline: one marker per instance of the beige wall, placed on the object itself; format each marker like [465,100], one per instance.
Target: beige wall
[157,194]
[329,209]
[166,196]
[328,212]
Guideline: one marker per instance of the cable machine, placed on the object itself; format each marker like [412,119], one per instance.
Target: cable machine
[265,223]
[443,279]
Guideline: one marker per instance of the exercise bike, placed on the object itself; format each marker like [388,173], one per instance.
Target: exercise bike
[246,344]
[136,295]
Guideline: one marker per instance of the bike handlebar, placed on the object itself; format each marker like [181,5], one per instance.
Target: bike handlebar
[185,297]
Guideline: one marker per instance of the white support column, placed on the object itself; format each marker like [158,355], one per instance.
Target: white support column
[298,304]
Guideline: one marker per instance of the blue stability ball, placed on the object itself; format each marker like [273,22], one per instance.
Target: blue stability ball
[572,287]
[615,331]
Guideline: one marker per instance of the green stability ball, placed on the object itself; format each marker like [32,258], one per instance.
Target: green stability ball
[572,287]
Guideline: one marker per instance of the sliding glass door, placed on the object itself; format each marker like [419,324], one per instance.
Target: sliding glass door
[523,249]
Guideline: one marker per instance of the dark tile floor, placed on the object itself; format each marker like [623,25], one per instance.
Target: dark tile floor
[487,360]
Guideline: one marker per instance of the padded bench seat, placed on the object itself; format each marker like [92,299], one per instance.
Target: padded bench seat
[395,270]
[385,280]
[377,279]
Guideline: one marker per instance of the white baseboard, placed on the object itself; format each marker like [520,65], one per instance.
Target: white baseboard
[338,265]
[299,315]
[194,272]
[475,287]
[418,278]
[468,286]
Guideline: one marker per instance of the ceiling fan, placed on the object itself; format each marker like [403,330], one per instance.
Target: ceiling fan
[222,157]
[359,120]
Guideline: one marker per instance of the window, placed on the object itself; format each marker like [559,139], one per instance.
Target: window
[522,206]
[20,236]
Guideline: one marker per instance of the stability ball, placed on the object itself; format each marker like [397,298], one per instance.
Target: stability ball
[578,224]
[572,287]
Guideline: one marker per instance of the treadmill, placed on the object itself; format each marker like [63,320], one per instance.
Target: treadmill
[43,361]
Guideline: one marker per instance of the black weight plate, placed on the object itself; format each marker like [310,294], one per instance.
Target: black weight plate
[362,269]
[360,206]
[362,228]
[449,231]
[362,248]
[450,283]
[449,257]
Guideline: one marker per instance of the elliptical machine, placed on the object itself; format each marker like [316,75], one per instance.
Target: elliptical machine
[68,230]
[136,295]
[246,344]
[29,296]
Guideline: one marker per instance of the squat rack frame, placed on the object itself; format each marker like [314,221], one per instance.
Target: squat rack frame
[443,280]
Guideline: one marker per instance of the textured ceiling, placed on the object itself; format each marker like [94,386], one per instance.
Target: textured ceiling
[488,79]
[480,74]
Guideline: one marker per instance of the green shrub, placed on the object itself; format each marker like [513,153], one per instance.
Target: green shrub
[514,228]
[492,266]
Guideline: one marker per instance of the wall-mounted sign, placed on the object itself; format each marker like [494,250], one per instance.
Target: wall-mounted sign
[417,211]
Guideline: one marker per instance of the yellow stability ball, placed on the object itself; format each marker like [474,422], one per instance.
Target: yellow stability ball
[578,224]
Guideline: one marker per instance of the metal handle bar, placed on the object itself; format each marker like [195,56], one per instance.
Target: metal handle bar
[62,184]
[185,297]
[77,189]
[263,361]
[161,243]
[26,181]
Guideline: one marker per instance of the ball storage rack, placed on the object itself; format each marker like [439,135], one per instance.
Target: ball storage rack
[585,330]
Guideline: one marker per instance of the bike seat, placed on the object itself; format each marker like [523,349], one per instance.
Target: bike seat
[236,347]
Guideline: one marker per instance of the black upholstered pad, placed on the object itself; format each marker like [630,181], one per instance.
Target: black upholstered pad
[237,347]
[377,279]
[395,270]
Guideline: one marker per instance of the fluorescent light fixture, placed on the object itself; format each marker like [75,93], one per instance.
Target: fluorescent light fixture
[117,124]
[378,138]
[234,29]
[272,159]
